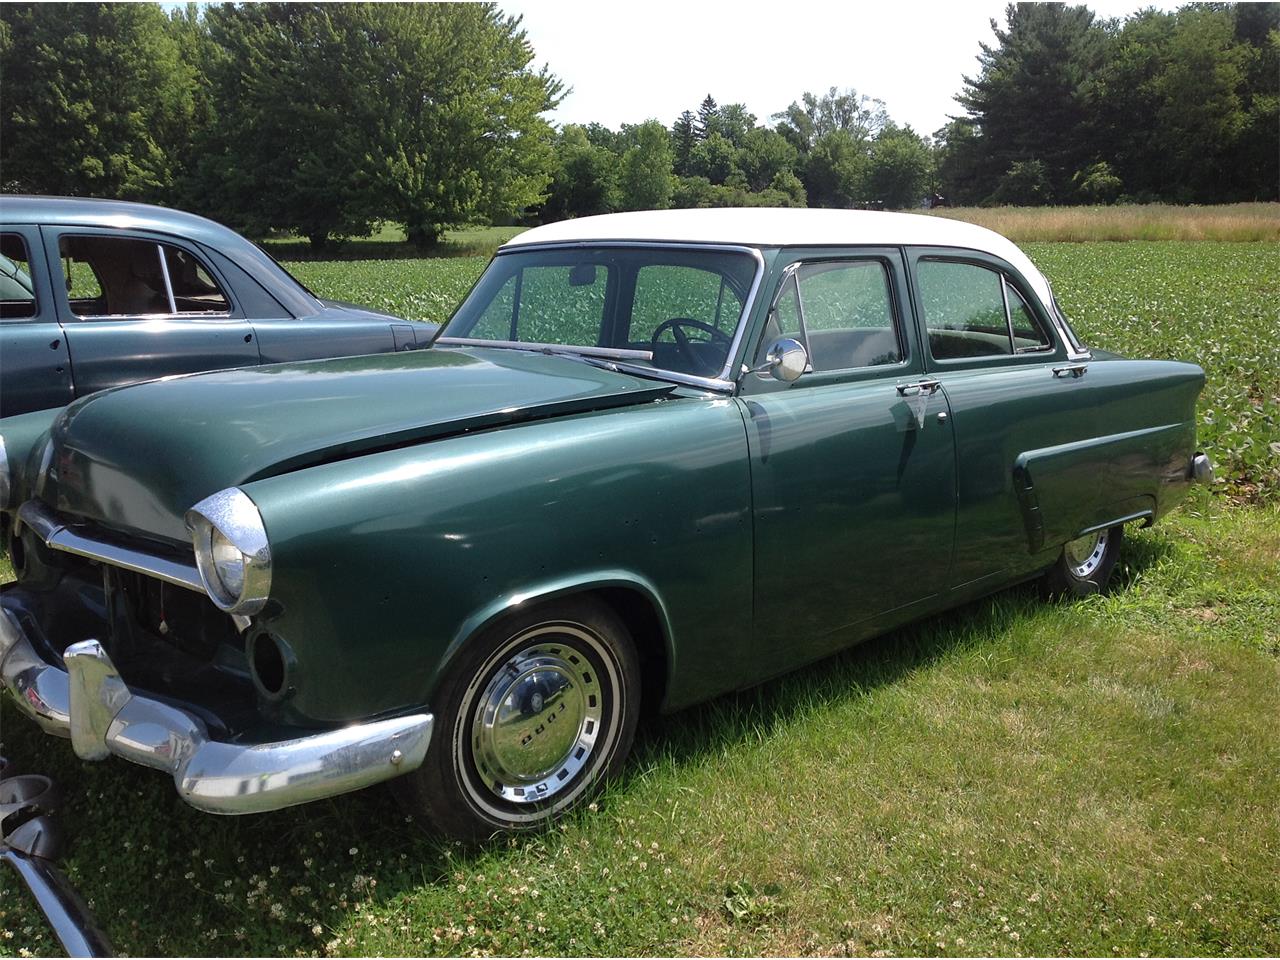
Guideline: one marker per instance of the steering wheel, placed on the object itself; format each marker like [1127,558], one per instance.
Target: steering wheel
[677,327]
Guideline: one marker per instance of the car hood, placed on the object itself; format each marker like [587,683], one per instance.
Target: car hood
[136,458]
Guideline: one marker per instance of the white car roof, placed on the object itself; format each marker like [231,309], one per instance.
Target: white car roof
[787,227]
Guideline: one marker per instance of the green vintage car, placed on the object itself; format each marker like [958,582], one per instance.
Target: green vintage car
[652,457]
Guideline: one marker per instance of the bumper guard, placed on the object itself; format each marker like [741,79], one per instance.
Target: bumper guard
[90,704]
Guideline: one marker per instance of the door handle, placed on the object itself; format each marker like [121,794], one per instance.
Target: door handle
[1073,370]
[928,386]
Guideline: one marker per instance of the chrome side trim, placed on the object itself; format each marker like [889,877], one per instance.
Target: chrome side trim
[89,703]
[57,535]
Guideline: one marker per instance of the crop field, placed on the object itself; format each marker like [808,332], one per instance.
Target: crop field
[1011,778]
[1214,304]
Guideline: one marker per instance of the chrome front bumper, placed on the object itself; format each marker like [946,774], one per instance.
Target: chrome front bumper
[90,704]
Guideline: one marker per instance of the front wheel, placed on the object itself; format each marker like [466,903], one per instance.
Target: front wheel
[534,716]
[1086,564]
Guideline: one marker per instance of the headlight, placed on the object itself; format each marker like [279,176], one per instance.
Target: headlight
[228,564]
[232,551]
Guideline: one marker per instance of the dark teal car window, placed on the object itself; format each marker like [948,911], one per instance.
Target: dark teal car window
[682,306]
[843,312]
[1027,334]
[666,290]
[131,276]
[17,292]
[964,310]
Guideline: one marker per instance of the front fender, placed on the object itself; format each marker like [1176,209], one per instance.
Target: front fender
[384,565]
[563,585]
[22,439]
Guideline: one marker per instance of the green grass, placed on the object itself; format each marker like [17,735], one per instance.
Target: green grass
[1009,778]
[388,242]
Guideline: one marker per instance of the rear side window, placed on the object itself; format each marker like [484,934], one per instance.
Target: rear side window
[123,276]
[972,311]
[17,292]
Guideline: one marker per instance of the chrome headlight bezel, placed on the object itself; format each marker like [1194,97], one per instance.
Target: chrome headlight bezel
[235,517]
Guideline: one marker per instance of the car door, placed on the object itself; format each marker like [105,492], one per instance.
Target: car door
[852,465]
[35,372]
[136,306]
[1028,469]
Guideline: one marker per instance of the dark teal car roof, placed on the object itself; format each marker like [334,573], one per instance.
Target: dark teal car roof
[87,212]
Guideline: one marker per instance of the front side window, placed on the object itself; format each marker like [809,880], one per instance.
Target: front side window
[842,311]
[672,309]
[17,292]
[973,311]
[123,276]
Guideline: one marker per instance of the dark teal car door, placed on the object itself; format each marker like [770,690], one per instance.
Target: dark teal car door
[35,371]
[1030,471]
[852,465]
[137,306]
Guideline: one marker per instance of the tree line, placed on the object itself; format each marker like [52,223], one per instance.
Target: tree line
[325,119]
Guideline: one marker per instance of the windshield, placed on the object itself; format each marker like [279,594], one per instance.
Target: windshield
[667,308]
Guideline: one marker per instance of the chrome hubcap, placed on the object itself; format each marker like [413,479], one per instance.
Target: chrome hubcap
[537,721]
[1084,556]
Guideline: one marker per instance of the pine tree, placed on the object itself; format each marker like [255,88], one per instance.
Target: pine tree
[683,139]
[708,116]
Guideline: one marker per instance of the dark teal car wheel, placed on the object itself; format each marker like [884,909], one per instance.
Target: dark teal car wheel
[536,714]
[1085,565]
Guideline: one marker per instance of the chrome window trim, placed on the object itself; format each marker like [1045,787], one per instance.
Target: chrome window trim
[56,534]
[6,483]
[1062,326]
[168,284]
[726,378]
[143,317]
[174,313]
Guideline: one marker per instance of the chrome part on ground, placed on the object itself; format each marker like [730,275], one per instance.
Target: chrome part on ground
[1084,556]
[1201,469]
[29,842]
[89,703]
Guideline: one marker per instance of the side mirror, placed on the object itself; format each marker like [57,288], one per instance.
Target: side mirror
[786,360]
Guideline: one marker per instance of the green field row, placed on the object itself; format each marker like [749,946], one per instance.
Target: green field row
[1211,303]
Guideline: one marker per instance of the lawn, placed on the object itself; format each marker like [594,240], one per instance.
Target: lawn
[1009,778]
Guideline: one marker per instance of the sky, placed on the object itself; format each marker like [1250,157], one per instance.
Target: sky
[629,62]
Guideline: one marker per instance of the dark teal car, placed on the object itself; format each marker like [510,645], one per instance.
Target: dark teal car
[651,458]
[97,294]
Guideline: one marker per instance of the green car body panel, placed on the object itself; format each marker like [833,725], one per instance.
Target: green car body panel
[412,499]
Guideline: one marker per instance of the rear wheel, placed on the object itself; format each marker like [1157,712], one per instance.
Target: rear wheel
[1085,565]
[534,716]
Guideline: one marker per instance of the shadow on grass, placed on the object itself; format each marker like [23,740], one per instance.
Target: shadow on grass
[370,248]
[117,803]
